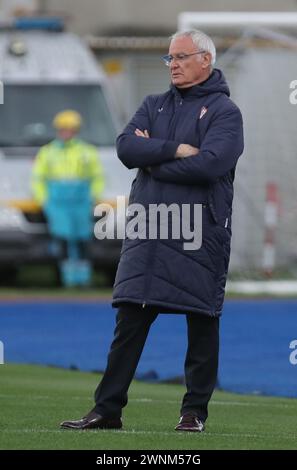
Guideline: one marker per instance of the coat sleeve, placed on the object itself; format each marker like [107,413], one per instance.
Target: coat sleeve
[139,152]
[218,154]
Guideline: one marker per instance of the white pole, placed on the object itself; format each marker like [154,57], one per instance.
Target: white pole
[271,214]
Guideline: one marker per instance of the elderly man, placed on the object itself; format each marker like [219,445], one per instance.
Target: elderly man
[185,143]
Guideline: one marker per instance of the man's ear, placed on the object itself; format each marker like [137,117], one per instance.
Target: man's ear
[206,60]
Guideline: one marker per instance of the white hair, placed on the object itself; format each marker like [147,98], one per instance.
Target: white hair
[201,40]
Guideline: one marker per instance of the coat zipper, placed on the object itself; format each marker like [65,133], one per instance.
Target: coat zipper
[153,247]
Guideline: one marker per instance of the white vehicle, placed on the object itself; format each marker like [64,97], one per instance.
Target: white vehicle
[44,72]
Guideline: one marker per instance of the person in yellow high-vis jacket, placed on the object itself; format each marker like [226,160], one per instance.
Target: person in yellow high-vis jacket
[67,181]
[67,157]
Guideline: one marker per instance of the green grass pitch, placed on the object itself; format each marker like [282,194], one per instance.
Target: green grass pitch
[34,400]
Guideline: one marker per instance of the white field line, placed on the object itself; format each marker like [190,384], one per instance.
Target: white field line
[262,287]
[217,402]
[169,402]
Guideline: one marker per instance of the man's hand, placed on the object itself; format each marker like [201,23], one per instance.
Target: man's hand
[185,150]
[140,133]
[146,135]
[182,151]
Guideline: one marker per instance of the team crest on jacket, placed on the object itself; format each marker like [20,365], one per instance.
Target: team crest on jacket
[202,112]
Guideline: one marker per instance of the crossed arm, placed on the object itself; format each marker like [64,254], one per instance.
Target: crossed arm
[182,151]
[136,152]
[181,163]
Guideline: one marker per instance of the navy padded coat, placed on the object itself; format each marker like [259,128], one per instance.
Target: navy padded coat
[158,271]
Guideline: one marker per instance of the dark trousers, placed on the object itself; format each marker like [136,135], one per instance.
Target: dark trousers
[132,326]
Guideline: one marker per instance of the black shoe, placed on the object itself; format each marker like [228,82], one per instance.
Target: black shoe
[190,422]
[93,421]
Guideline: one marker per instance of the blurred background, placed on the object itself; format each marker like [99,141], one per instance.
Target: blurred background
[45,69]
[102,57]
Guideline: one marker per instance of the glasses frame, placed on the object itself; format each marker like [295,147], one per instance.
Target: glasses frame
[167,59]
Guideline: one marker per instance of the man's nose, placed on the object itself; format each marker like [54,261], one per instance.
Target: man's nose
[174,64]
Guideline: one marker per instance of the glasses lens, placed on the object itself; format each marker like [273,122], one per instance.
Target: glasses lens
[167,59]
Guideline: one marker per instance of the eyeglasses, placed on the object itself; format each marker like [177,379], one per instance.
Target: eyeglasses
[179,57]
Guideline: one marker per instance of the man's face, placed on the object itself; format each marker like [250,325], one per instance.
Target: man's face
[191,70]
[66,134]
